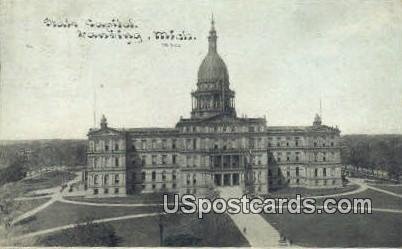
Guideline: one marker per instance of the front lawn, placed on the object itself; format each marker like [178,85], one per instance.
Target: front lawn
[129,199]
[365,230]
[59,214]
[304,192]
[214,231]
[378,199]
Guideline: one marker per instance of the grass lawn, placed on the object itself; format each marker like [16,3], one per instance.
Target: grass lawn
[132,199]
[394,189]
[217,231]
[378,199]
[304,192]
[47,180]
[26,205]
[364,230]
[59,214]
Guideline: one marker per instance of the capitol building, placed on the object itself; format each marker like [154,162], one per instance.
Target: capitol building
[213,148]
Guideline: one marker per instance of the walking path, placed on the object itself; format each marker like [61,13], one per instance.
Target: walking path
[102,204]
[57,196]
[257,231]
[254,227]
[362,187]
[384,191]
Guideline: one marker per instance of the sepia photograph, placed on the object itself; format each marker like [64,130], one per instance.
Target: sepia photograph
[151,123]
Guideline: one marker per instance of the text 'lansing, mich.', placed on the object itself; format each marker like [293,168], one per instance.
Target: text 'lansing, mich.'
[118,30]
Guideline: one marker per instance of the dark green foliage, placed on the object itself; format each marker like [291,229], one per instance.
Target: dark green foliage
[373,152]
[44,153]
[89,234]
[14,172]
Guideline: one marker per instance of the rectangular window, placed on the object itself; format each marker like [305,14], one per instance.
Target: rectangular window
[163,143]
[251,143]
[173,143]
[174,159]
[116,190]
[154,158]
[164,159]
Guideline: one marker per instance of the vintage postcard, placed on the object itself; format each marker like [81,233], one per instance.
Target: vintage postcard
[200,123]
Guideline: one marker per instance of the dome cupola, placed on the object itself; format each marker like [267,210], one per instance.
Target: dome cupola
[213,96]
[213,68]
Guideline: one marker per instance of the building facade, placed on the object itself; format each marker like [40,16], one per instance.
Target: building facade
[212,148]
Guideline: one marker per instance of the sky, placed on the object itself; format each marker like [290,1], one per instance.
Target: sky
[282,58]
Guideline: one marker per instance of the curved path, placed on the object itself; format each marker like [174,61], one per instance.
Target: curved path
[103,204]
[384,191]
[57,196]
[60,228]
[362,187]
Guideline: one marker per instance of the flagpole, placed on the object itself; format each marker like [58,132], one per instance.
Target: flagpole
[94,106]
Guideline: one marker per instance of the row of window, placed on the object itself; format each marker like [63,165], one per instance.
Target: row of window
[107,179]
[194,143]
[318,156]
[160,159]
[299,181]
[222,129]
[154,176]
[107,145]
[317,172]
[106,191]
[102,162]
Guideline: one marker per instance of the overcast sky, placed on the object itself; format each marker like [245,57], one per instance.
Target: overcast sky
[282,57]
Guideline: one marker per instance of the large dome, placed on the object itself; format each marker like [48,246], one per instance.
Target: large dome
[213,69]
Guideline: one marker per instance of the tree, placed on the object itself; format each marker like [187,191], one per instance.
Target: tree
[14,172]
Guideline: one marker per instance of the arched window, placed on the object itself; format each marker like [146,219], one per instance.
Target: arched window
[194,179]
[174,175]
[116,162]
[297,171]
[116,179]
[106,179]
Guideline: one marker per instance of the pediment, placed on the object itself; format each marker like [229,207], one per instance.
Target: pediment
[105,132]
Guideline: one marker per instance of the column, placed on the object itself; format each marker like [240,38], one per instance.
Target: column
[231,179]
[221,161]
